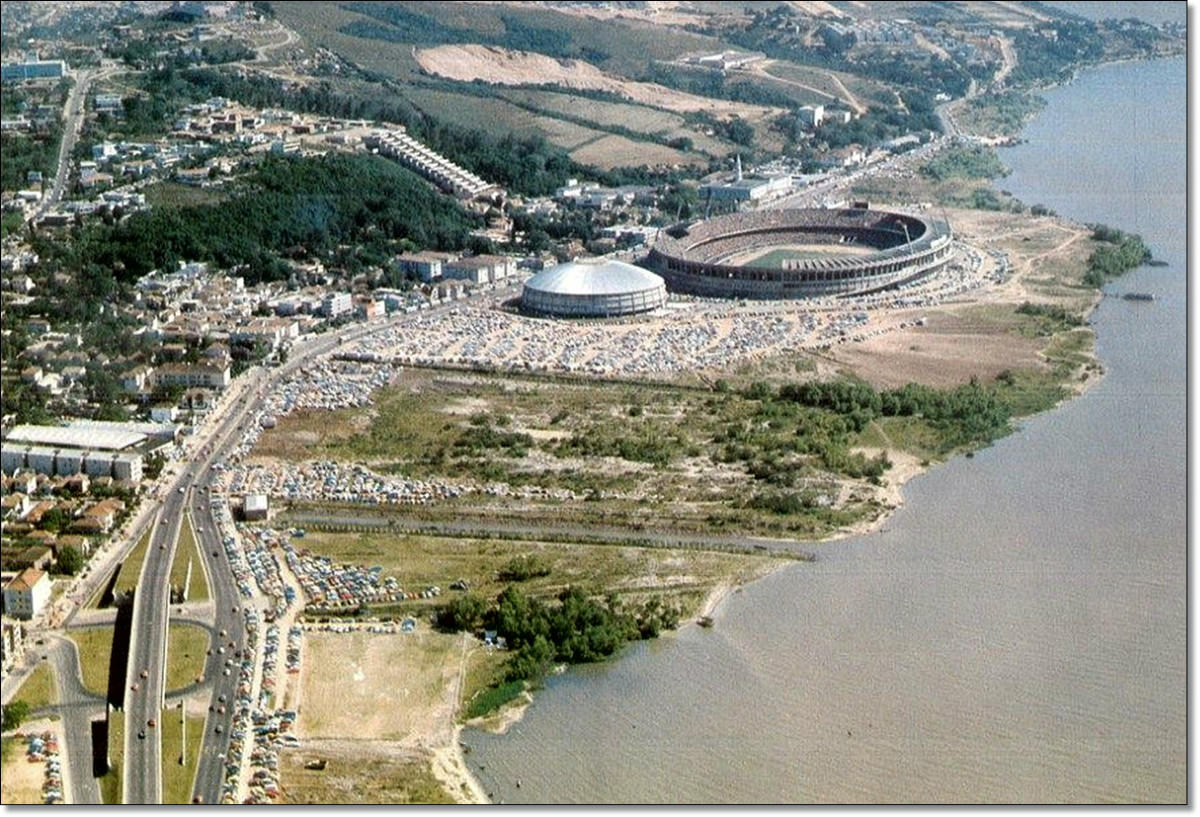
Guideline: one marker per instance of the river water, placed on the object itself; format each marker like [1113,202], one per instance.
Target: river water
[1017,634]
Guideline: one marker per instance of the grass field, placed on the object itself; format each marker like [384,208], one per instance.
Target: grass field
[112,783]
[618,151]
[684,576]
[131,568]
[187,646]
[172,196]
[38,689]
[95,653]
[188,550]
[178,778]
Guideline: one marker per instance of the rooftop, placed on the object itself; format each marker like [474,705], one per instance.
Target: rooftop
[97,439]
[594,276]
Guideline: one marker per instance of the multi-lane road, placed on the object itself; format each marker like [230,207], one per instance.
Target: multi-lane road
[188,492]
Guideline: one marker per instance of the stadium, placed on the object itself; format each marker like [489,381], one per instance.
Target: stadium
[597,288]
[800,253]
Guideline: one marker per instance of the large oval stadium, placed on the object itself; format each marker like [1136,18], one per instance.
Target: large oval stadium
[800,253]
[593,288]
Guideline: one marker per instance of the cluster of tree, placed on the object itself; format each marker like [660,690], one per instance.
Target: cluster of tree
[1002,113]
[149,53]
[968,162]
[15,714]
[523,568]
[715,84]
[965,415]
[481,437]
[577,629]
[290,207]
[876,125]
[1053,312]
[25,152]
[1050,52]
[648,443]
[1118,253]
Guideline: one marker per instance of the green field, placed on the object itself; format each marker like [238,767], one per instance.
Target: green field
[131,568]
[39,690]
[112,783]
[187,646]
[95,653]
[185,552]
[179,777]
[420,561]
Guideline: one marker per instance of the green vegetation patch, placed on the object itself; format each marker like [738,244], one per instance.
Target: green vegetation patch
[967,162]
[167,195]
[489,700]
[315,203]
[489,565]
[187,647]
[39,689]
[131,568]
[25,153]
[95,646]
[1000,114]
[112,783]
[179,762]
[188,551]
[1116,254]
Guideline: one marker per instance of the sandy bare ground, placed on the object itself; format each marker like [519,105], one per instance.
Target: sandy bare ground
[502,66]
[948,351]
[392,694]
[20,780]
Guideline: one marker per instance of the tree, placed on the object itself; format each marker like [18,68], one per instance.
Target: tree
[463,613]
[14,715]
[70,560]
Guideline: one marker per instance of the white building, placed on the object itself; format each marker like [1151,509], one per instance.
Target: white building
[336,303]
[26,595]
[811,116]
[254,506]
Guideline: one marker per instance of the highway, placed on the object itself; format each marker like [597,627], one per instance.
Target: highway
[147,657]
[143,756]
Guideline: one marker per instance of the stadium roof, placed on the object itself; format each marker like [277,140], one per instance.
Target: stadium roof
[596,276]
[89,438]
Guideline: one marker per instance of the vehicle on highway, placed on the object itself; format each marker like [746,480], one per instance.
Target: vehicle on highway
[145,673]
[134,687]
[152,722]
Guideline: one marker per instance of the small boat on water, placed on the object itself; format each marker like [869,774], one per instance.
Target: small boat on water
[1138,296]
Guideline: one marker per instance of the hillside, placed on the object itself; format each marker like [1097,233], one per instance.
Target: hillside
[669,85]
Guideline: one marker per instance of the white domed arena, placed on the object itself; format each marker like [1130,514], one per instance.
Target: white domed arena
[593,288]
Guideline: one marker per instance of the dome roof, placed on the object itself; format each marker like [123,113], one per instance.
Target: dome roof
[597,276]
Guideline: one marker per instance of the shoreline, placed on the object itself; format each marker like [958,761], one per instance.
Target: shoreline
[449,766]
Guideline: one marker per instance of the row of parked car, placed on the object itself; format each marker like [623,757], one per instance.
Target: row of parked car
[43,748]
